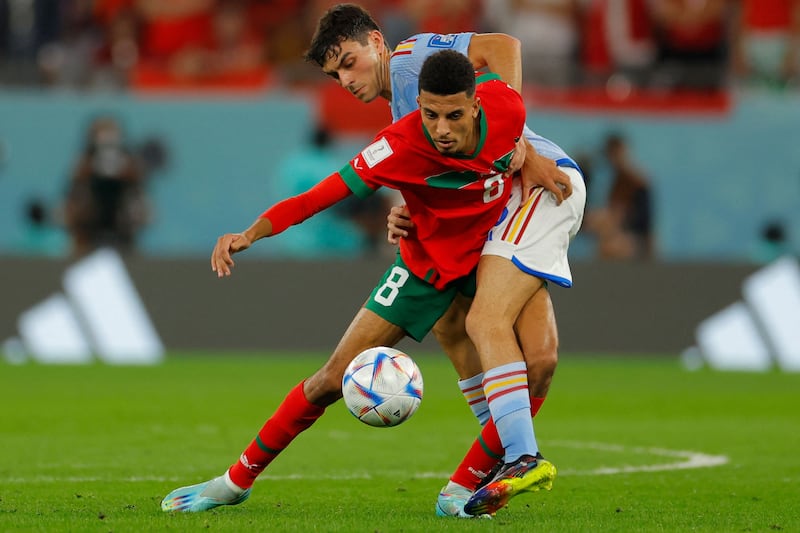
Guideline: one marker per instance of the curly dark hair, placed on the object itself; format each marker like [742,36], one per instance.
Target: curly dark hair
[447,72]
[339,23]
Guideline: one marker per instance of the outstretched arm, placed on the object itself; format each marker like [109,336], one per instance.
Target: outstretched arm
[277,218]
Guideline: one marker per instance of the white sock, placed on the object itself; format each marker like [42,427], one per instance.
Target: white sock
[231,485]
[472,389]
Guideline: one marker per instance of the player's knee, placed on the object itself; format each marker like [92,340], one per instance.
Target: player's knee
[542,362]
[482,328]
[448,333]
[449,328]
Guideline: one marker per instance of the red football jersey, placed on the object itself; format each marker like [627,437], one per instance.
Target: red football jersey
[454,200]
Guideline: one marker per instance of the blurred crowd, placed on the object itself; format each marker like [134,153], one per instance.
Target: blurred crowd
[659,44]
[615,45]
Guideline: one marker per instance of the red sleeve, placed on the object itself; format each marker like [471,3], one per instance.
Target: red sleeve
[296,209]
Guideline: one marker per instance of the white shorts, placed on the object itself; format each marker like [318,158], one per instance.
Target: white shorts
[536,236]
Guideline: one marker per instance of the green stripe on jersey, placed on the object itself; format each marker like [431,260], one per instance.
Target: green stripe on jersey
[453,179]
[354,182]
[487,77]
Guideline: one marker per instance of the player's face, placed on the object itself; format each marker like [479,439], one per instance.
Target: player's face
[450,121]
[359,68]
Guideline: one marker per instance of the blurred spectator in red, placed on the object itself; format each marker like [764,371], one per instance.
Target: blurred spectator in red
[444,16]
[767,42]
[200,43]
[281,24]
[174,26]
[549,31]
[624,227]
[618,41]
[693,40]
[234,46]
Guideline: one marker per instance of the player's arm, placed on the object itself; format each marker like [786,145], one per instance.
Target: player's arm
[502,54]
[499,53]
[277,218]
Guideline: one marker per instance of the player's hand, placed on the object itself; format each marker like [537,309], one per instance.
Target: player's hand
[399,223]
[227,245]
[540,171]
[518,159]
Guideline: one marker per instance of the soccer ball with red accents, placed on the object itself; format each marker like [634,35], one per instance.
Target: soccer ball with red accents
[382,387]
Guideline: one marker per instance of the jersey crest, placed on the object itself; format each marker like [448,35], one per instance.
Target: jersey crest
[442,41]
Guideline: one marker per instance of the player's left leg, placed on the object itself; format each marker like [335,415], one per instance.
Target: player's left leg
[304,404]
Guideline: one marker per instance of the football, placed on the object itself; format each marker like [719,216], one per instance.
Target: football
[382,387]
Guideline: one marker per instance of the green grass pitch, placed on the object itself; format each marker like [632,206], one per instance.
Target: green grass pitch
[641,445]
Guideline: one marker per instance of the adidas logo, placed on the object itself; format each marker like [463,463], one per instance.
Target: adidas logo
[98,314]
[758,332]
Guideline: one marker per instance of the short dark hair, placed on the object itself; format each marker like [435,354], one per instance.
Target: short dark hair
[447,72]
[339,23]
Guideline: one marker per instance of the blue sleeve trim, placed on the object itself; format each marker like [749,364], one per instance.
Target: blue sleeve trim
[567,162]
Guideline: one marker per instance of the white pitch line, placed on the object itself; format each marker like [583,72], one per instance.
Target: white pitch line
[686,459]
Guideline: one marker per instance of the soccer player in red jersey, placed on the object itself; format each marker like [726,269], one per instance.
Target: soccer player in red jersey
[511,319]
[450,162]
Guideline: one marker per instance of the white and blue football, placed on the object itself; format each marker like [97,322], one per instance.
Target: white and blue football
[382,387]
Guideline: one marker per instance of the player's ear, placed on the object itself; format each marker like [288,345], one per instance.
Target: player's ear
[376,38]
[476,106]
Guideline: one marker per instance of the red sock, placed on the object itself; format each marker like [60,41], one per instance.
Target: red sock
[294,415]
[480,459]
[536,404]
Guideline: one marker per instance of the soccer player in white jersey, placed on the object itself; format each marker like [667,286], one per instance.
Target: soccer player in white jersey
[511,320]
